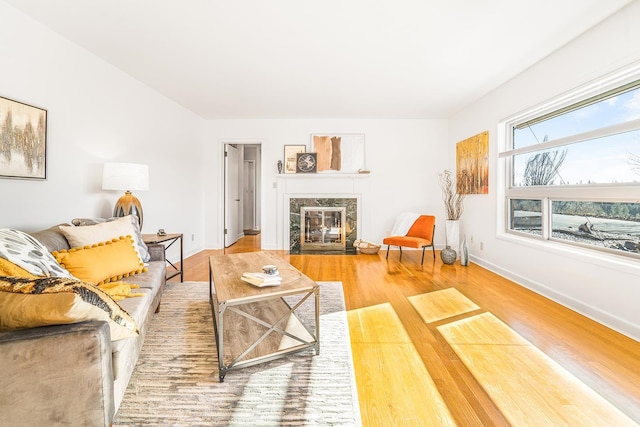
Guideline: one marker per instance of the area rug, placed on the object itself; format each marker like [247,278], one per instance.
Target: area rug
[175,382]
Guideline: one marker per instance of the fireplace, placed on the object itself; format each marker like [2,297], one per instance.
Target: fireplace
[326,225]
[322,228]
[295,191]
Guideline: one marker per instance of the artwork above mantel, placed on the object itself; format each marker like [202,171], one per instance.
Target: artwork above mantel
[339,153]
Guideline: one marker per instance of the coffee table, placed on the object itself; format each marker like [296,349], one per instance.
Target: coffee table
[254,325]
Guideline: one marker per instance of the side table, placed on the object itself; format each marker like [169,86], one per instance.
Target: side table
[169,239]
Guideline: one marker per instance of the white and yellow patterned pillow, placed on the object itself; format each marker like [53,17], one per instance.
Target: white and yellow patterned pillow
[28,303]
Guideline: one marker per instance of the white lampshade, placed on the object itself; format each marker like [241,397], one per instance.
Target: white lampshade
[125,177]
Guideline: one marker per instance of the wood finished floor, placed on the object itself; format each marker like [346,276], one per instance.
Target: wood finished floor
[602,359]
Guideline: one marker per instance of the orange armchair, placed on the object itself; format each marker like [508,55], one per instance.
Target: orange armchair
[420,235]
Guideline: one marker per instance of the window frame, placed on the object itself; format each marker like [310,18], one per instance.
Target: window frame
[620,193]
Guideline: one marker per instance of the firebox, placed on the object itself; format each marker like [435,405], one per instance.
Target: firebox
[322,228]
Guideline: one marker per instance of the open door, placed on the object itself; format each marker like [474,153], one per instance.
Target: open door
[232,230]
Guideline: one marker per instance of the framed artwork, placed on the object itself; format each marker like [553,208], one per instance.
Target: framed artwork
[291,157]
[307,163]
[339,153]
[23,140]
[472,165]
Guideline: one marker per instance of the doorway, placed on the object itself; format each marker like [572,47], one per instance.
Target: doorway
[242,191]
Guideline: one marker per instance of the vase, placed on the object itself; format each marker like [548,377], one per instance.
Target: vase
[464,252]
[452,233]
[279,166]
[448,255]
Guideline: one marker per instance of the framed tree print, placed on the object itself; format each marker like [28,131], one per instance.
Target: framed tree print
[23,140]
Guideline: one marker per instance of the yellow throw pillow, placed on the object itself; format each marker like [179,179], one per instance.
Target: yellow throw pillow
[29,303]
[102,262]
[7,268]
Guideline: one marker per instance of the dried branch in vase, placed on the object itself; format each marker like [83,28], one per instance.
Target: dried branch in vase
[452,198]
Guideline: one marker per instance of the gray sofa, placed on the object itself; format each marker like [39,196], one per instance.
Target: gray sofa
[74,374]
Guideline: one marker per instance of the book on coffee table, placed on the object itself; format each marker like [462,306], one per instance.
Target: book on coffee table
[261,279]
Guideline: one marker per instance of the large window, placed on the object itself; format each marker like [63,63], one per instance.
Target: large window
[573,169]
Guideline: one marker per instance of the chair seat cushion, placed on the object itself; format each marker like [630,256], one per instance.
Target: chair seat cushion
[407,241]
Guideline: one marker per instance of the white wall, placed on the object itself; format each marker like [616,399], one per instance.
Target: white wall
[404,157]
[606,290]
[96,113]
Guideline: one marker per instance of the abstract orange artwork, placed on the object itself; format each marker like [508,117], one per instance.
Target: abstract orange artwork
[339,153]
[472,165]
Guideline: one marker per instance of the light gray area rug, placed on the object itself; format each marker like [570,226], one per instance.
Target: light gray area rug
[175,382]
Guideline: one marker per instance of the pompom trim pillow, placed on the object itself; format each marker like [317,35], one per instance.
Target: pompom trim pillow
[103,262]
[29,303]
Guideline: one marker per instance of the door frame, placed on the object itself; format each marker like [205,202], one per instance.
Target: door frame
[240,143]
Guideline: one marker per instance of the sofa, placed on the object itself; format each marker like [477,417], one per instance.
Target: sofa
[76,373]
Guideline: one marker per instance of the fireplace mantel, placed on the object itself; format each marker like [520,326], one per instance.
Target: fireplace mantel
[320,185]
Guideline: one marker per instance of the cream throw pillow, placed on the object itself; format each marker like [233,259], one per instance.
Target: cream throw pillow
[88,235]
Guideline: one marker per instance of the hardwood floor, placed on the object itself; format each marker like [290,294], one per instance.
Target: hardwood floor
[394,358]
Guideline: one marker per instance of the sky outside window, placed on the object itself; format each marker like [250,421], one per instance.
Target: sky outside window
[602,160]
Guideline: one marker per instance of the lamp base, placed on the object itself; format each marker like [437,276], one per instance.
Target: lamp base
[128,205]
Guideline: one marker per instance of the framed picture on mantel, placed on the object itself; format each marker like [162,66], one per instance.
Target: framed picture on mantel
[339,153]
[291,157]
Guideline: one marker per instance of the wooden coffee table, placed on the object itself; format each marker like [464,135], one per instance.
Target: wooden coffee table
[254,325]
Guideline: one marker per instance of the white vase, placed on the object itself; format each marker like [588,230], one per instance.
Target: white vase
[452,233]
[464,252]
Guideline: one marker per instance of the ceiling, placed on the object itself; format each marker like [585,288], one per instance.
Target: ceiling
[322,59]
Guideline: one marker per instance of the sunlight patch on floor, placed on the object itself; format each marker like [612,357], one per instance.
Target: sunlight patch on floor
[527,385]
[439,305]
[390,372]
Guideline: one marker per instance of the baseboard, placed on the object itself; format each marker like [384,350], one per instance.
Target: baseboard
[607,319]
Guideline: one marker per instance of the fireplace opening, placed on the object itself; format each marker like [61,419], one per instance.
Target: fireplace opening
[339,221]
[322,228]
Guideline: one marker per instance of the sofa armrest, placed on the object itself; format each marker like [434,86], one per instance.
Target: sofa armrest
[57,375]
[156,251]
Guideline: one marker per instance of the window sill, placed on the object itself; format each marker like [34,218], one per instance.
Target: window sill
[594,257]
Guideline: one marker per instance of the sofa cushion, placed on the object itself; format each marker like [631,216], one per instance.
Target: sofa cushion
[102,262]
[153,278]
[107,223]
[52,238]
[28,303]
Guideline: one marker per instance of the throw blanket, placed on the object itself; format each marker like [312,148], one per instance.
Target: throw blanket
[26,252]
[119,290]
[404,223]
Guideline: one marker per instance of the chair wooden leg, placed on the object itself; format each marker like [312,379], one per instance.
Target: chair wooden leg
[400,252]
[388,246]
[422,262]
[433,248]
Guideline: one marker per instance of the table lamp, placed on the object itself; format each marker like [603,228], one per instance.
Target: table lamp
[126,177]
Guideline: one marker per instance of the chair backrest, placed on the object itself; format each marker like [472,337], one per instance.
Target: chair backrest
[423,227]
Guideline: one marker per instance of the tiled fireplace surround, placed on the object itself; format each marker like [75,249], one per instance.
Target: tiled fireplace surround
[322,189]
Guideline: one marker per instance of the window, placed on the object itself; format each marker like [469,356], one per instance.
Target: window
[573,169]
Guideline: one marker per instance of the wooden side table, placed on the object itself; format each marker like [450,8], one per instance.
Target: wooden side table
[169,239]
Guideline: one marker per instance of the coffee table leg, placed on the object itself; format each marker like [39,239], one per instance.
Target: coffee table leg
[316,292]
[222,370]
